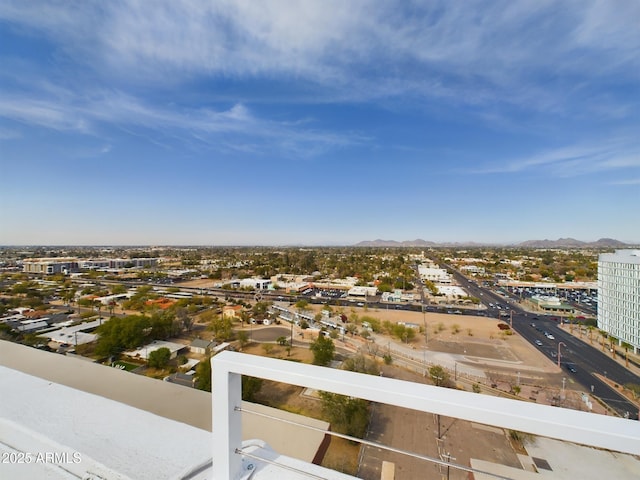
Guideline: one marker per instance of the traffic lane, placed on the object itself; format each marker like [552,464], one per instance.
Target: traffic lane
[612,398]
[588,357]
[587,362]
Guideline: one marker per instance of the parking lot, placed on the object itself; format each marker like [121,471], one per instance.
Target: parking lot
[324,293]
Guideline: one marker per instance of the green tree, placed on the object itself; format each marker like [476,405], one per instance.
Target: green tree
[260,308]
[222,327]
[243,339]
[250,387]
[122,333]
[302,305]
[403,332]
[439,376]
[359,363]
[347,415]
[203,375]
[184,319]
[323,350]
[118,289]
[159,358]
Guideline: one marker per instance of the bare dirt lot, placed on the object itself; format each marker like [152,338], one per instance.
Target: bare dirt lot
[476,339]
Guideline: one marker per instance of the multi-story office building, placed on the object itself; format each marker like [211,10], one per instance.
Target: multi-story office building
[619,296]
[50,266]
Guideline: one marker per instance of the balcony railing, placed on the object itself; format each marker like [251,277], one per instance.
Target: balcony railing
[230,460]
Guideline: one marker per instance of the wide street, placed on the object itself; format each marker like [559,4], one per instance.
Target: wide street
[587,360]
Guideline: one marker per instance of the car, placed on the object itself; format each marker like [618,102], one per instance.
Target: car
[533,324]
[551,337]
[571,367]
[538,343]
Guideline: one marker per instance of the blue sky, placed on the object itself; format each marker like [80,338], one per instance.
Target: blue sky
[319,123]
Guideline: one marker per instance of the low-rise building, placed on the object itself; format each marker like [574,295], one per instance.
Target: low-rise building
[435,275]
[359,291]
[256,283]
[146,350]
[551,304]
[201,346]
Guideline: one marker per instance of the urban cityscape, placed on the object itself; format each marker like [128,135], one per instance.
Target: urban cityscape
[550,326]
[337,240]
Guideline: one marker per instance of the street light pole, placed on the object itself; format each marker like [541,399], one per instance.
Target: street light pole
[559,354]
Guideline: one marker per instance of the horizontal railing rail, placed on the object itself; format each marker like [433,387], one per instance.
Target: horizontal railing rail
[589,429]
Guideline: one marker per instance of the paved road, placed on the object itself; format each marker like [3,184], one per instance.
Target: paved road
[587,359]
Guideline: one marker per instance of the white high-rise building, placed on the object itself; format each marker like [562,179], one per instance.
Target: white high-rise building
[619,296]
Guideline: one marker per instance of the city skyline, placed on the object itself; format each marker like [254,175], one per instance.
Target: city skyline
[318,123]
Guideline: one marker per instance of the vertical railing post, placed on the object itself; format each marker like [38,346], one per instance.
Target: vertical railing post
[226,387]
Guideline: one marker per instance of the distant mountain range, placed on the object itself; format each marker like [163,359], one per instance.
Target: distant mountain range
[572,242]
[412,243]
[561,242]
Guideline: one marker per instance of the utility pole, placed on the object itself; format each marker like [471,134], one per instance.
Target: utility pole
[447,457]
[291,346]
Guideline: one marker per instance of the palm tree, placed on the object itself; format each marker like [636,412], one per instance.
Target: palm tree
[591,328]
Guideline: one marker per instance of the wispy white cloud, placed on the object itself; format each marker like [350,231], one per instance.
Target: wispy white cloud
[540,55]
[236,128]
[631,181]
[572,160]
[42,113]
[529,53]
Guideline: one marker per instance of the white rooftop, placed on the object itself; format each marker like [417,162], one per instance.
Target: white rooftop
[109,438]
[144,352]
[75,335]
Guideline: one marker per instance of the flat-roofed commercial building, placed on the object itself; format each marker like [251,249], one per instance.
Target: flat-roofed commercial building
[50,266]
[619,296]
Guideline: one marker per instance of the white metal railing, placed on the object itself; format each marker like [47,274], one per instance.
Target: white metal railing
[227,368]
